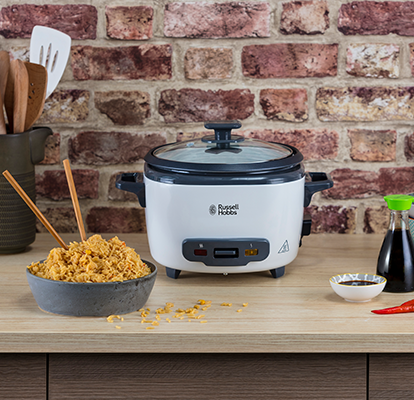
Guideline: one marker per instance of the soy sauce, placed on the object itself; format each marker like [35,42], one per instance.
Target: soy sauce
[357,283]
[396,261]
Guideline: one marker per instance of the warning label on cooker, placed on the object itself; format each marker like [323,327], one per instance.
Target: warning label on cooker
[284,248]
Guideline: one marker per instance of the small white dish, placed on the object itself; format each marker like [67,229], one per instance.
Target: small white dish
[349,286]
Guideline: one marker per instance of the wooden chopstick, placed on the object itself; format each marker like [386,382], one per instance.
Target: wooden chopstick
[75,200]
[33,207]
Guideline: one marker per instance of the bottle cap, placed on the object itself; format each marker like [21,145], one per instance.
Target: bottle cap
[399,202]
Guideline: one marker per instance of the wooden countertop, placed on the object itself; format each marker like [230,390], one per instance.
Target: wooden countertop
[298,313]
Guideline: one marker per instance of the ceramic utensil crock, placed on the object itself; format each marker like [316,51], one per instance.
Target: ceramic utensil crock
[19,153]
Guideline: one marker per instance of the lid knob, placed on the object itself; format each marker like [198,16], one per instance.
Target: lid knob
[222,133]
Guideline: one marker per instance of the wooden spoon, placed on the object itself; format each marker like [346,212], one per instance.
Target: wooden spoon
[15,99]
[4,72]
[37,93]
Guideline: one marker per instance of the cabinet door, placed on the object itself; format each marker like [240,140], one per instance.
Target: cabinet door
[391,376]
[23,376]
[207,376]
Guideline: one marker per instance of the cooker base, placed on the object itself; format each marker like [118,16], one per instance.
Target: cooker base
[277,272]
[175,273]
[172,273]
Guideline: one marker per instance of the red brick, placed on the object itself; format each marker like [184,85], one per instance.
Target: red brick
[116,220]
[353,184]
[356,184]
[53,184]
[285,104]
[116,194]
[66,106]
[398,180]
[196,105]
[129,23]
[376,219]
[110,148]
[373,60]
[409,147]
[314,144]
[52,150]
[304,17]
[62,219]
[332,219]
[411,46]
[370,145]
[376,18]
[365,103]
[76,20]
[208,63]
[147,61]
[290,60]
[217,20]
[124,108]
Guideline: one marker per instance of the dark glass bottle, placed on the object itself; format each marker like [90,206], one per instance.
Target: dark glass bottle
[396,258]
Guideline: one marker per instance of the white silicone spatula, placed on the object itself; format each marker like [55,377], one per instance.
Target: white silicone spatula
[50,48]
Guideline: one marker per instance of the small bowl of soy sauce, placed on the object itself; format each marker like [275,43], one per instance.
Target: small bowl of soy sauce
[357,287]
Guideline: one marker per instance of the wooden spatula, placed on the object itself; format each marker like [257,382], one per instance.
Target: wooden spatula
[4,72]
[15,99]
[37,93]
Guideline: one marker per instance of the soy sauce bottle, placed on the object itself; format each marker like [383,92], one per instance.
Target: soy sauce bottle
[396,258]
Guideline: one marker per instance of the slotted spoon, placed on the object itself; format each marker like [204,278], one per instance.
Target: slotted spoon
[50,48]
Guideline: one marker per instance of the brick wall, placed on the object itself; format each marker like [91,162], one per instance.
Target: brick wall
[334,80]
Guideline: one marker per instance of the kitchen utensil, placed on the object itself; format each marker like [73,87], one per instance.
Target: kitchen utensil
[4,72]
[18,154]
[17,90]
[33,207]
[225,203]
[92,299]
[37,93]
[50,48]
[75,201]
[356,287]
[396,257]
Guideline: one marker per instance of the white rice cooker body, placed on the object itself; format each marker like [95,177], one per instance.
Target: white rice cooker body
[178,213]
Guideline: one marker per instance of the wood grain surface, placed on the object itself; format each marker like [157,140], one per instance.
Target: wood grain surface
[23,376]
[297,313]
[391,376]
[207,376]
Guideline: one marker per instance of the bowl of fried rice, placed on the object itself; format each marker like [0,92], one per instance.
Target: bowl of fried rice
[96,277]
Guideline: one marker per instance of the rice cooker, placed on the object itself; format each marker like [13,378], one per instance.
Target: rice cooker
[224,203]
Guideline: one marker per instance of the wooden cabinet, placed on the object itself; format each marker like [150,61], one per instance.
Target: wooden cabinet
[391,376]
[207,376]
[23,376]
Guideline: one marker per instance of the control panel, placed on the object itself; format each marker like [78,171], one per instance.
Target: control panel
[225,252]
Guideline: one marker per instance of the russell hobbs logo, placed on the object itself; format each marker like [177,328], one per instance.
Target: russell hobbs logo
[224,210]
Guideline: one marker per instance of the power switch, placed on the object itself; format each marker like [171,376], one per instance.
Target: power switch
[226,253]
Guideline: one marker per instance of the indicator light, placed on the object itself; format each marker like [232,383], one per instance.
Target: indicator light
[251,252]
[200,252]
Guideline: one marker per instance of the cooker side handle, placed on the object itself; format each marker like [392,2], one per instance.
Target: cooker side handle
[129,182]
[316,182]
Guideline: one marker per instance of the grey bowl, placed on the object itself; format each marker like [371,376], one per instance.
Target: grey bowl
[92,299]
